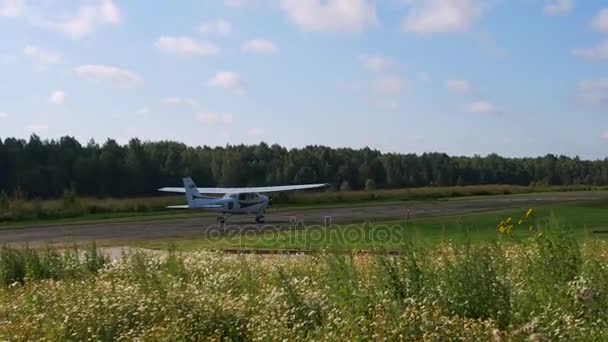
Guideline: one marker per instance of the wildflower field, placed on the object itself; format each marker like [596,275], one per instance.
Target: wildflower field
[547,286]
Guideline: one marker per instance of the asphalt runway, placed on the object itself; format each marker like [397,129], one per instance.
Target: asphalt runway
[199,226]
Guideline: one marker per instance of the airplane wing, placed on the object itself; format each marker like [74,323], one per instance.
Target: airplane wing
[263,189]
[208,206]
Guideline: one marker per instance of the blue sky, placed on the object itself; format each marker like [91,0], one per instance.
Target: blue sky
[517,77]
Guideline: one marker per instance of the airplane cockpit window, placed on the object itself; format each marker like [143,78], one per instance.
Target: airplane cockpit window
[248,196]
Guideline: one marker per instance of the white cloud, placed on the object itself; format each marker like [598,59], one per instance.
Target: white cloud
[186,46]
[376,63]
[387,104]
[38,129]
[594,92]
[330,15]
[218,26]
[482,107]
[459,86]
[227,80]
[12,8]
[599,52]
[109,74]
[559,7]
[211,118]
[3,115]
[260,46]
[179,101]
[437,16]
[600,22]
[84,22]
[142,111]
[239,3]
[255,132]
[604,135]
[388,85]
[424,77]
[57,97]
[41,55]
[87,19]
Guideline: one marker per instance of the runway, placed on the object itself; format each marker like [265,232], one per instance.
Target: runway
[279,219]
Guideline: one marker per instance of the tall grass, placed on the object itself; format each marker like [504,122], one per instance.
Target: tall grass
[21,265]
[545,287]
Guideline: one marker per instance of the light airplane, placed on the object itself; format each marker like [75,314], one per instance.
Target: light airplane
[236,201]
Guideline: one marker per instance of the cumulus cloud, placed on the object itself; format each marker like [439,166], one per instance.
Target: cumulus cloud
[376,63]
[212,118]
[227,80]
[424,77]
[482,107]
[600,22]
[594,92]
[57,97]
[38,129]
[459,86]
[599,52]
[218,26]
[388,85]
[239,3]
[41,55]
[260,46]
[142,111]
[12,8]
[330,15]
[180,101]
[559,7]
[84,22]
[438,16]
[109,74]
[255,132]
[386,104]
[185,46]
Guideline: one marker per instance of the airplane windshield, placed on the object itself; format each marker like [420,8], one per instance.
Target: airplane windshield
[248,196]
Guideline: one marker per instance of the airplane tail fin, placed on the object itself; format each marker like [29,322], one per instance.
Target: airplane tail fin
[192,193]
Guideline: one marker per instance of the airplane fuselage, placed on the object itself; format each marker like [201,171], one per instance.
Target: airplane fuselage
[234,204]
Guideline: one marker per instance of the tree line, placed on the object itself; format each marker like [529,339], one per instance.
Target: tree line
[47,168]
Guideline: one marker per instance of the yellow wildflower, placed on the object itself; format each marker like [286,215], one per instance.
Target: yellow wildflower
[529,213]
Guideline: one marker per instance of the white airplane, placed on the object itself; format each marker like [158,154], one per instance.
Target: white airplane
[236,201]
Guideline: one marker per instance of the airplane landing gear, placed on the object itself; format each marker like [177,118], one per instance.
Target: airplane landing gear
[221,219]
[259,219]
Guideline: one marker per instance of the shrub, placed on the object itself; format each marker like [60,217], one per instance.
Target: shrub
[469,284]
[370,185]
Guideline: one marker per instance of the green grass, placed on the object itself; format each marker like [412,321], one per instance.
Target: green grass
[583,218]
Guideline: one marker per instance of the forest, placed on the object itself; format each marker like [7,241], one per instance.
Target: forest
[43,168]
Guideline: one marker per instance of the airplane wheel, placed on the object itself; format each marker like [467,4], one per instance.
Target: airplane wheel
[221,219]
[259,219]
